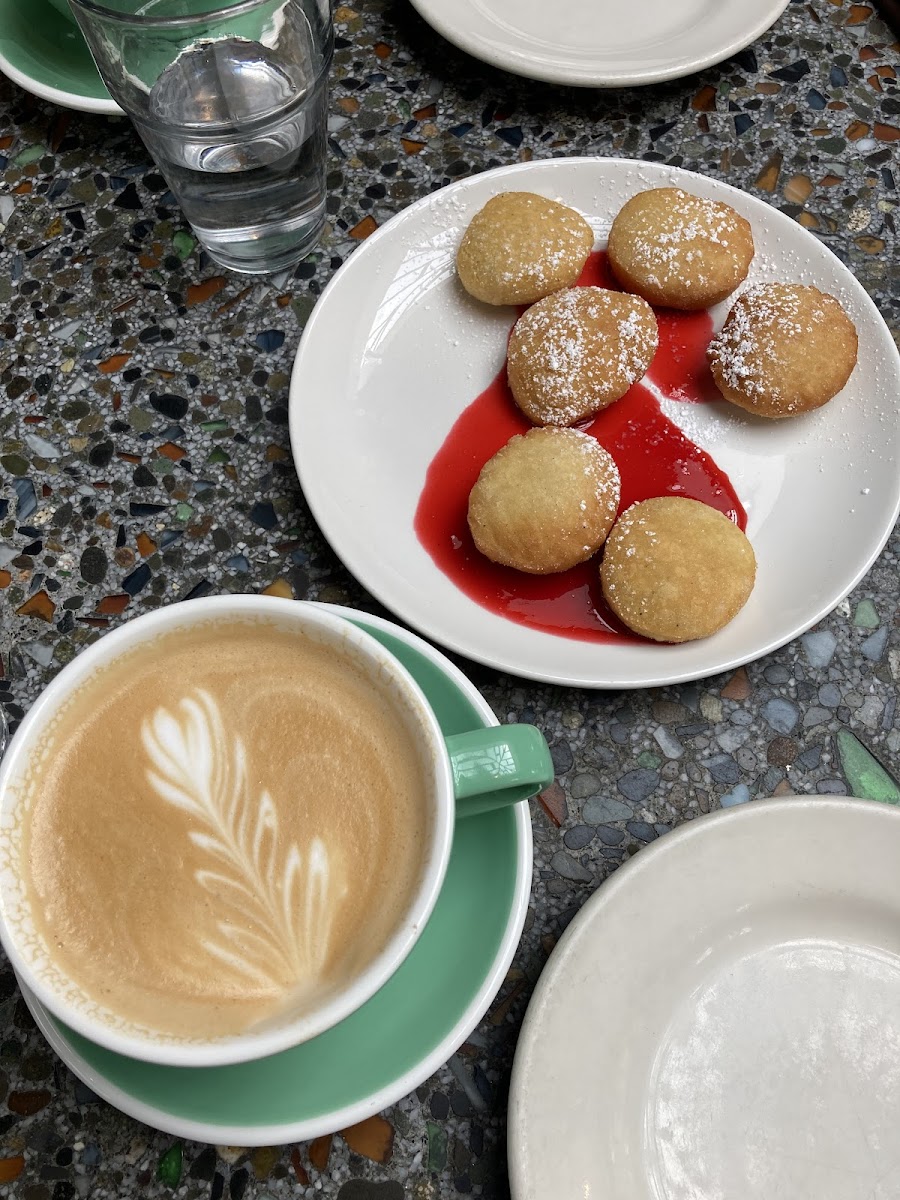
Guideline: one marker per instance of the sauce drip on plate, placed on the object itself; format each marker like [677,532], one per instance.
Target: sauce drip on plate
[653,456]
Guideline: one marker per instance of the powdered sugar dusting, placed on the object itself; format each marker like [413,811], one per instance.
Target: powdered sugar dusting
[635,527]
[679,244]
[522,246]
[599,465]
[577,351]
[694,223]
[577,449]
[748,351]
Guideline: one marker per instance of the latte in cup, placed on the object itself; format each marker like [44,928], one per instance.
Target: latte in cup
[224,824]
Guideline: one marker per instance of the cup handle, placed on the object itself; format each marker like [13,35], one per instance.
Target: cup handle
[496,766]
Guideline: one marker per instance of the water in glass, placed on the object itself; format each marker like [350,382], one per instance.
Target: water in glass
[242,145]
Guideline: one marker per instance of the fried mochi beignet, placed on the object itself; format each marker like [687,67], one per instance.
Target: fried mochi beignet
[578,351]
[521,247]
[675,570]
[784,349]
[679,250]
[545,501]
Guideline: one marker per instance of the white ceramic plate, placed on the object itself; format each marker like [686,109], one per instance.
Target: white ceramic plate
[395,350]
[721,1021]
[601,43]
[366,1102]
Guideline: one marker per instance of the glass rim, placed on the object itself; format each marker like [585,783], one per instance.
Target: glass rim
[112,14]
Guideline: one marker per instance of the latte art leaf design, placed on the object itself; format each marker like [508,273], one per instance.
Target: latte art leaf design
[277,931]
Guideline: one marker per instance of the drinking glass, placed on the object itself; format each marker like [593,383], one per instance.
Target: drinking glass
[231,103]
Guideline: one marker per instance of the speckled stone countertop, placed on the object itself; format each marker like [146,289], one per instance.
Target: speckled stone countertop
[144,459]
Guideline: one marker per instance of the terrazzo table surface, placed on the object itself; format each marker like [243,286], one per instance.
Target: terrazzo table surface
[144,459]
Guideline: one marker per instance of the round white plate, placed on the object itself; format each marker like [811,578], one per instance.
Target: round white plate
[721,1021]
[601,43]
[395,350]
[365,1102]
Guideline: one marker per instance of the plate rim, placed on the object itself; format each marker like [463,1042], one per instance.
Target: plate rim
[336,1119]
[765,809]
[452,641]
[97,105]
[586,78]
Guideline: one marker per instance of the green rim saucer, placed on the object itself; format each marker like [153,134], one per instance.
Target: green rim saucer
[46,55]
[405,1032]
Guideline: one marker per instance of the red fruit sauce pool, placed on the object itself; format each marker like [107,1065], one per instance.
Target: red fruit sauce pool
[653,456]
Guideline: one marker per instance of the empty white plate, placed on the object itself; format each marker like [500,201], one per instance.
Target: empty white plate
[601,43]
[721,1021]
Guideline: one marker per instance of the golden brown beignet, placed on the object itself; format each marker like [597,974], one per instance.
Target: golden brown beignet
[784,349]
[577,351]
[674,569]
[679,250]
[521,247]
[545,501]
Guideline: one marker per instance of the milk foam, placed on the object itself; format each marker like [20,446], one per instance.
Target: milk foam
[278,901]
[230,820]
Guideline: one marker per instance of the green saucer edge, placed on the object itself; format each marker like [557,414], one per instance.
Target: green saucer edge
[403,1023]
[49,50]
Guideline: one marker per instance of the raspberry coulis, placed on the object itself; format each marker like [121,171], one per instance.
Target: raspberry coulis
[654,458]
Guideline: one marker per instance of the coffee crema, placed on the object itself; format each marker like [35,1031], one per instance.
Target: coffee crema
[227,824]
